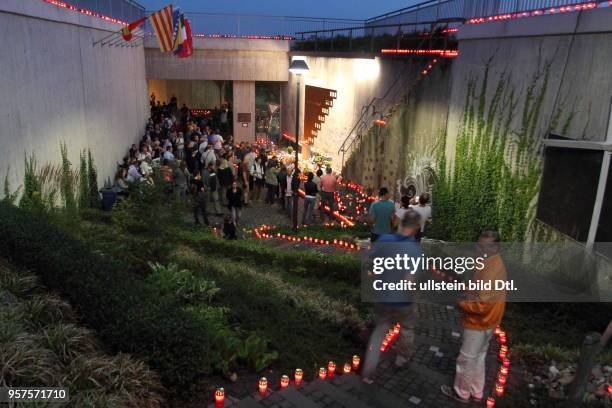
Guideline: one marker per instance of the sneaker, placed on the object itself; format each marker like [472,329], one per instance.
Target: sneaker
[451,393]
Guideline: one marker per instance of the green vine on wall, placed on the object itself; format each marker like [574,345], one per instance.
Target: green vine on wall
[494,177]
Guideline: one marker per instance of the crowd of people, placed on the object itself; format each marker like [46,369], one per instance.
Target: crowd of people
[196,158]
[200,163]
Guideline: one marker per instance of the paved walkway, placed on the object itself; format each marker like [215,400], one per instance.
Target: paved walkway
[417,384]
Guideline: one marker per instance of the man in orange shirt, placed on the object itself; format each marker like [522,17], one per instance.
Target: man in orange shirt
[482,311]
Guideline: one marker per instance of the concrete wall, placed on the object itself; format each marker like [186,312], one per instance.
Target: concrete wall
[221,59]
[56,86]
[244,103]
[576,46]
[196,94]
[357,79]
[400,153]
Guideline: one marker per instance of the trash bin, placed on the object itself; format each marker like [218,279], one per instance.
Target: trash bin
[109,198]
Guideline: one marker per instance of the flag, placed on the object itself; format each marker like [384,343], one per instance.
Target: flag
[162,24]
[187,48]
[183,44]
[179,29]
[126,31]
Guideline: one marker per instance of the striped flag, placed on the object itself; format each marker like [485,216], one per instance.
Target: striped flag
[162,24]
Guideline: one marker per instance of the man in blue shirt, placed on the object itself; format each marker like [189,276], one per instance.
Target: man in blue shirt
[381,215]
[395,306]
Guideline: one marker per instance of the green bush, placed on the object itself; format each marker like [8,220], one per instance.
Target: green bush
[128,314]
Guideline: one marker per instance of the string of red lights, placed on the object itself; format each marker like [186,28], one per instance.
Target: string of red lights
[440,53]
[534,13]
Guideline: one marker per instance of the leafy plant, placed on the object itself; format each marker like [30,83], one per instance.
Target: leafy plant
[9,195]
[496,168]
[92,173]
[171,279]
[67,183]
[84,193]
[254,350]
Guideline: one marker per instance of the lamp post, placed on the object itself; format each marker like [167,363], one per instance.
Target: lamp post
[297,67]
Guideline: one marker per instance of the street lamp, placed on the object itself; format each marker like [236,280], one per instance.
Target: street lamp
[297,67]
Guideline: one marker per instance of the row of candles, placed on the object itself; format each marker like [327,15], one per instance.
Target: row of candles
[263,232]
[263,386]
[504,367]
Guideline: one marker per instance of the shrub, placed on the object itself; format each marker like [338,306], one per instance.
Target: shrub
[127,313]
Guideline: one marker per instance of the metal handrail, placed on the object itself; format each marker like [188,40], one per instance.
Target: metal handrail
[331,30]
[364,122]
[417,6]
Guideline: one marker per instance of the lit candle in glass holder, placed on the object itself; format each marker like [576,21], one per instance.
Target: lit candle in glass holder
[356,361]
[331,368]
[506,362]
[284,382]
[490,402]
[263,385]
[503,352]
[502,379]
[347,368]
[219,397]
[298,376]
[503,370]
[322,373]
[499,389]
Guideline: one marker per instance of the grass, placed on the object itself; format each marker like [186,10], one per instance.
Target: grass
[42,344]
[329,233]
[278,295]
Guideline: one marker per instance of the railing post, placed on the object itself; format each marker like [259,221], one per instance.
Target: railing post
[372,41]
[331,46]
[399,36]
[590,349]
[351,39]
[317,41]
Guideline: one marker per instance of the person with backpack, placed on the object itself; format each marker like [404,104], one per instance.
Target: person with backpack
[257,175]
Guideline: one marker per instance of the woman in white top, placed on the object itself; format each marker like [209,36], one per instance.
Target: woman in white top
[399,213]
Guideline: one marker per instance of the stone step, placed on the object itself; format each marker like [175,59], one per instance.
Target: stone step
[297,398]
[248,402]
[371,393]
[327,394]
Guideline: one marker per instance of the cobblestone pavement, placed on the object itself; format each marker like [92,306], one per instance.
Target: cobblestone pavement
[417,384]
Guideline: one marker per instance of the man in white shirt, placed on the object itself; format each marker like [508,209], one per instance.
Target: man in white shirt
[424,210]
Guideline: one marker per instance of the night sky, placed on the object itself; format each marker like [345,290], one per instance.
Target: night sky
[357,9]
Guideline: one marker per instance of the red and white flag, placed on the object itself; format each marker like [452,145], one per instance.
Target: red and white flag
[164,30]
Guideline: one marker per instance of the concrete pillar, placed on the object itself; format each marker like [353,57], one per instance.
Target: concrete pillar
[244,111]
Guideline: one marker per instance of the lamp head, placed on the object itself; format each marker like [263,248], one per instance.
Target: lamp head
[298,67]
